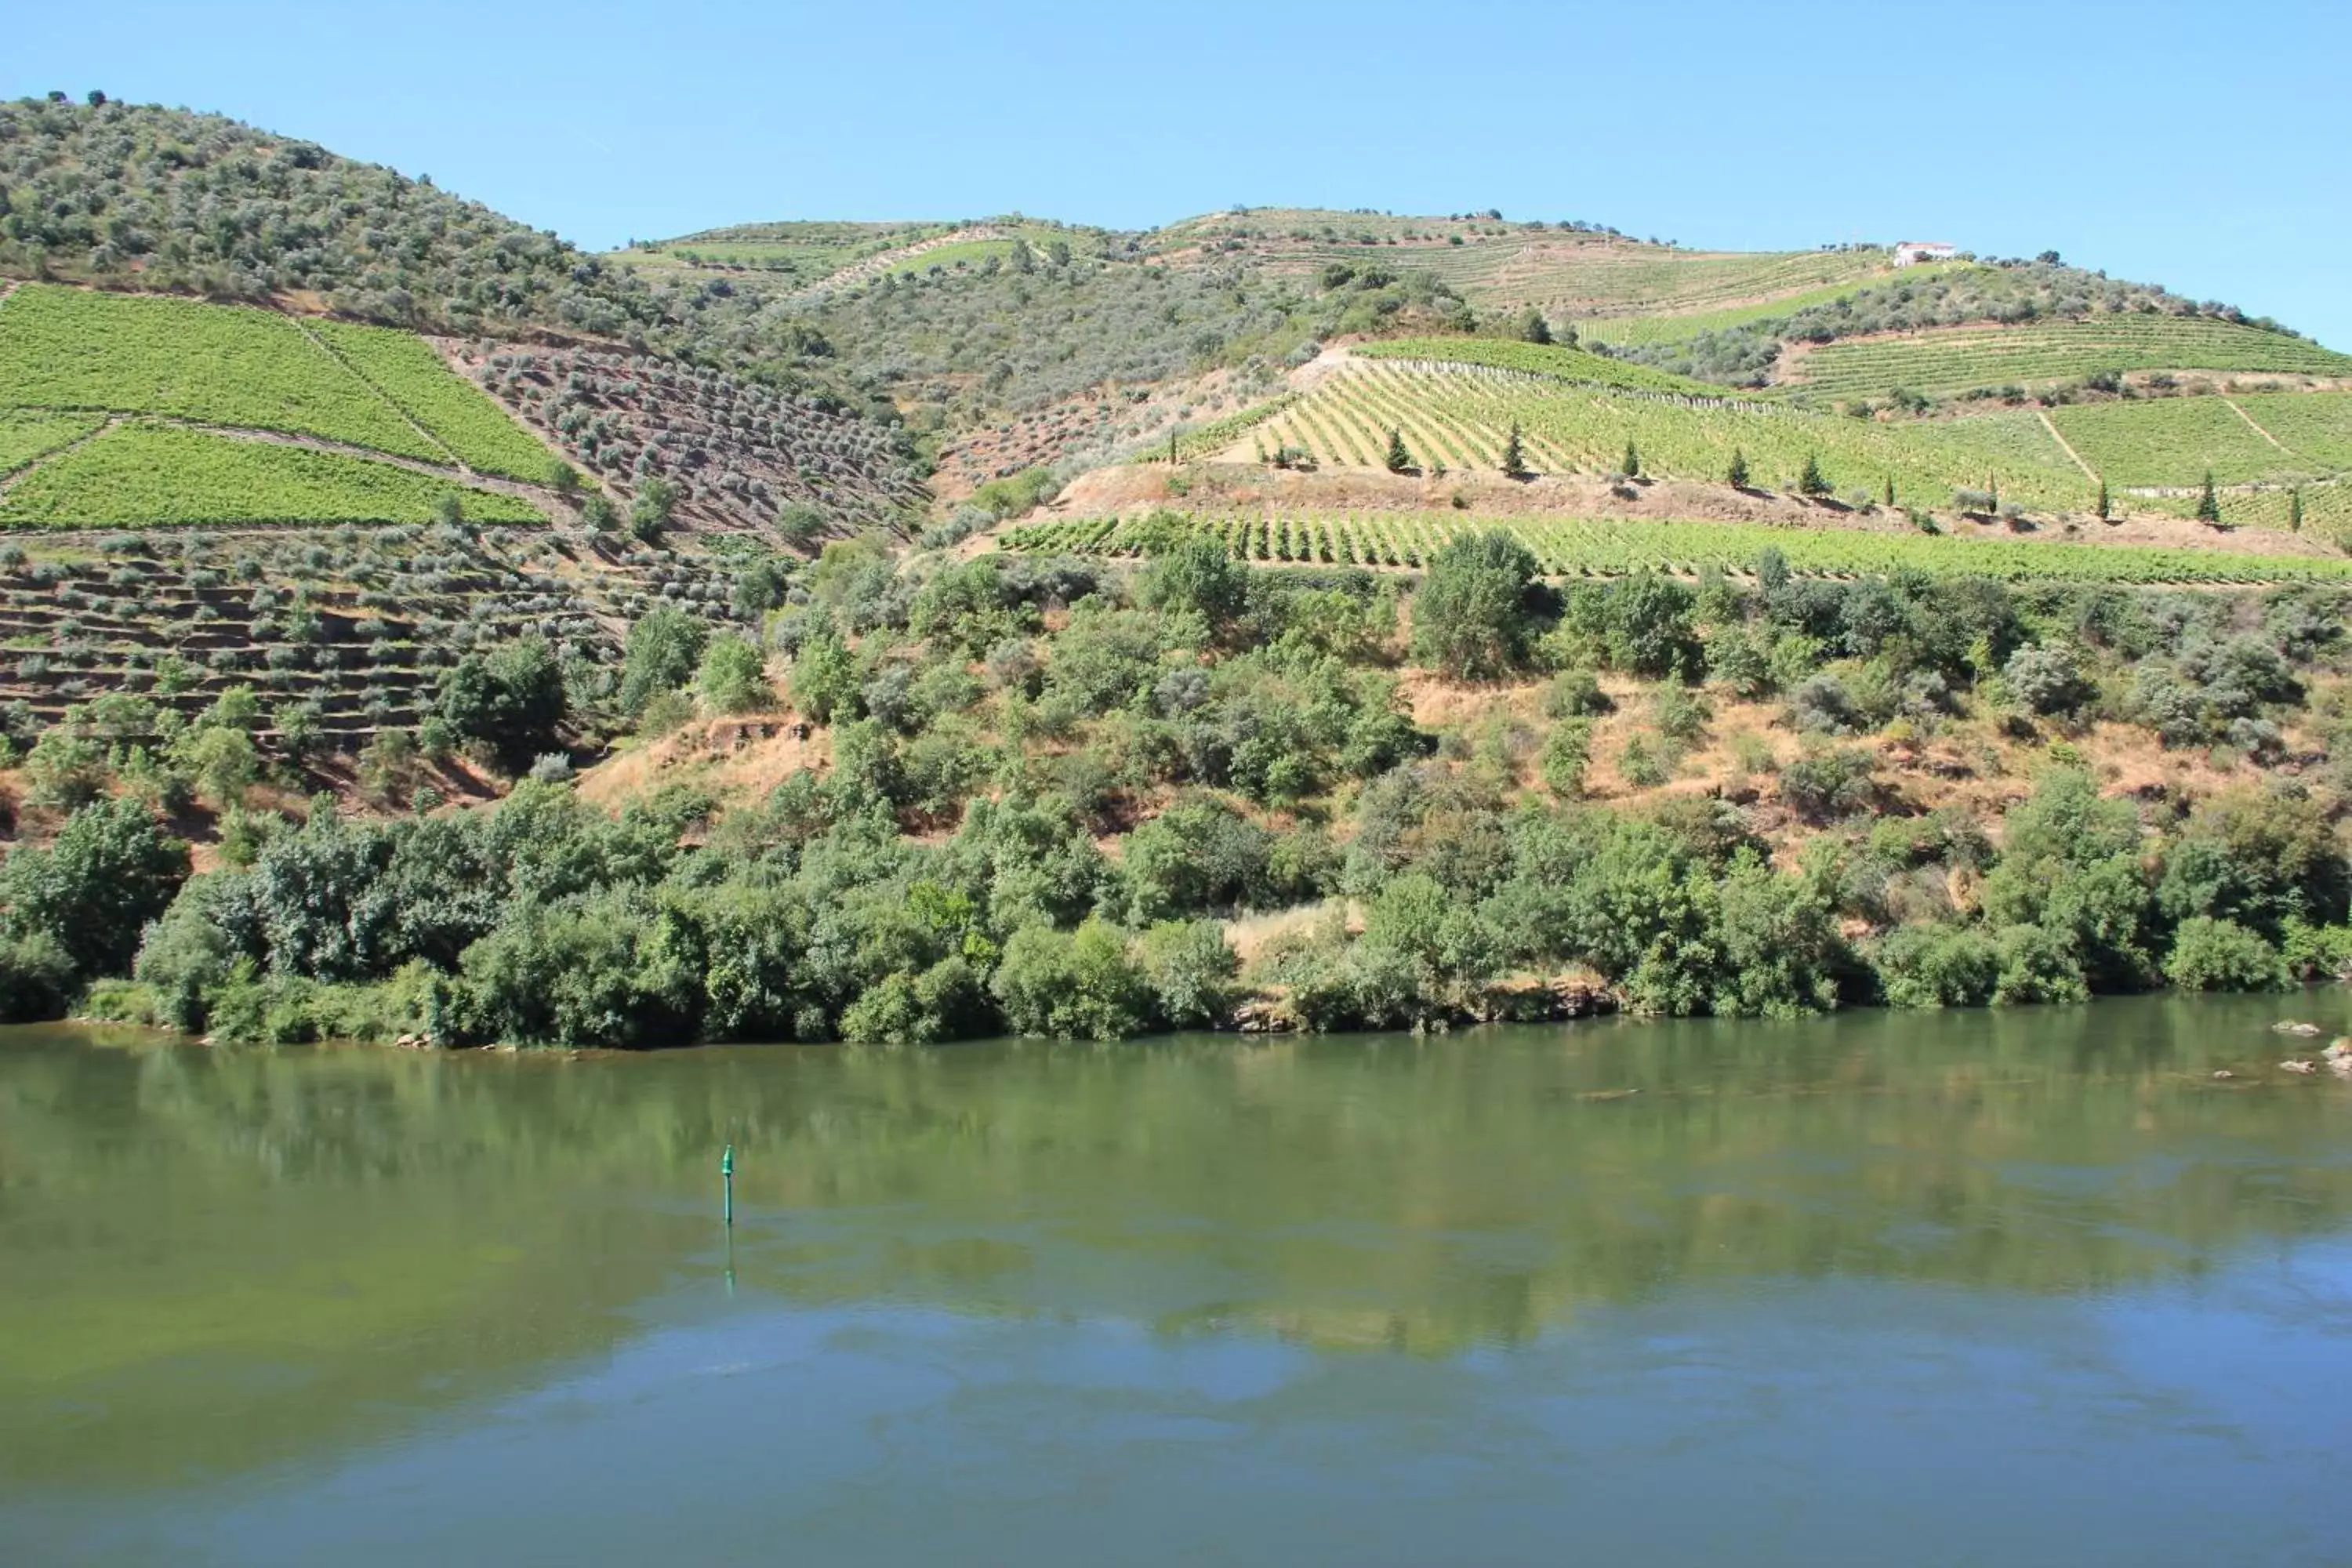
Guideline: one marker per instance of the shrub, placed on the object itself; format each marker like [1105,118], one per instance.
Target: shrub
[1074,984]
[2210,954]
[734,678]
[36,978]
[92,891]
[1190,968]
[1470,617]
[1831,782]
[1938,966]
[1566,753]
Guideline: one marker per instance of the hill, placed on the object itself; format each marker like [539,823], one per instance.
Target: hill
[1289,634]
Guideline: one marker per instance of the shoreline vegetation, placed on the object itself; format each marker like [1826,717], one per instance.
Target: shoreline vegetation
[1057,798]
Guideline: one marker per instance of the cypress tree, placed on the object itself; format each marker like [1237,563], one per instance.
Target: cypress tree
[1632,467]
[1515,459]
[2209,504]
[2295,511]
[2102,502]
[1890,489]
[1398,458]
[1811,482]
[1738,476]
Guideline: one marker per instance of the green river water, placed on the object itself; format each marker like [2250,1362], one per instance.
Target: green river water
[2019,1288]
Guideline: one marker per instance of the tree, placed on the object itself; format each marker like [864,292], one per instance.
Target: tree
[1631,464]
[1813,482]
[649,513]
[510,700]
[734,678]
[1515,458]
[1190,969]
[1196,575]
[562,479]
[1736,476]
[2295,511]
[108,872]
[1890,489]
[663,649]
[1533,327]
[799,523]
[2209,503]
[1399,460]
[2102,506]
[1470,618]
[1077,985]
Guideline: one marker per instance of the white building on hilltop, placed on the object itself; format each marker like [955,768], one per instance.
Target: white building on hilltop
[1911,252]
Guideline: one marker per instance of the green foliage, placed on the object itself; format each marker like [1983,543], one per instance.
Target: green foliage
[1470,617]
[139,475]
[1077,985]
[664,649]
[650,510]
[108,872]
[1190,971]
[509,702]
[1811,482]
[2211,955]
[734,678]
[824,678]
[1197,857]
[1566,752]
[37,979]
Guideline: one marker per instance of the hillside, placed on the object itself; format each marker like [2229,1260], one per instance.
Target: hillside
[899,632]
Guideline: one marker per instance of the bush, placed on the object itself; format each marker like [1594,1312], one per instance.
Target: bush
[1566,753]
[92,891]
[1829,784]
[1938,966]
[1470,617]
[2208,955]
[2046,679]
[734,678]
[1190,968]
[663,650]
[36,978]
[1072,984]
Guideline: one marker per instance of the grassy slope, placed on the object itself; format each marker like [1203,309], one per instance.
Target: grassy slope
[1539,359]
[1678,326]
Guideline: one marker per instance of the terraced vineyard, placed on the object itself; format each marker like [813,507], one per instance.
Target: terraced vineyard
[25,434]
[2316,427]
[139,474]
[104,399]
[2173,441]
[1965,358]
[1570,547]
[461,415]
[213,365]
[1461,416]
[1536,359]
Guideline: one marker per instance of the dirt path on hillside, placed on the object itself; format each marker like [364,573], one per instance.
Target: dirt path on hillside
[857,272]
[2257,429]
[2066,446]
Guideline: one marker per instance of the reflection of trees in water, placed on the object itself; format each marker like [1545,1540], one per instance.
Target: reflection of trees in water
[382,1217]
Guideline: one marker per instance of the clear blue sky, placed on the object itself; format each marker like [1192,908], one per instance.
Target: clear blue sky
[2198,145]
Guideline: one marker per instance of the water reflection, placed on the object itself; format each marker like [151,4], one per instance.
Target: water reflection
[220,1261]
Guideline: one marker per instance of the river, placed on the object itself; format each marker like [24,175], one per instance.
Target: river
[1975,1287]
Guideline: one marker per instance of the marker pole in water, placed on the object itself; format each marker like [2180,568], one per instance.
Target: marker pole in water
[727,1177]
